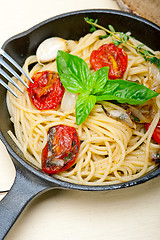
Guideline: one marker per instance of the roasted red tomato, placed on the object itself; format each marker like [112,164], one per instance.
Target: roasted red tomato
[61,149]
[47,90]
[156,133]
[113,57]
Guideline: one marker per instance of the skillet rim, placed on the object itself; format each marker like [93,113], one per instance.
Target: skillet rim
[40,174]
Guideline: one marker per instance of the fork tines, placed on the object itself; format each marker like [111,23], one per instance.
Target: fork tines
[5,75]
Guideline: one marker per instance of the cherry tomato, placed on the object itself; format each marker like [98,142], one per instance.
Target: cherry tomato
[156,133]
[61,149]
[47,90]
[113,57]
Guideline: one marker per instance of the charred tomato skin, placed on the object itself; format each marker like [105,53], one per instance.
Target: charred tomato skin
[112,56]
[156,133]
[46,91]
[61,150]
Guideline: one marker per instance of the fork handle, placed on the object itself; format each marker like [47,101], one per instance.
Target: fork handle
[26,186]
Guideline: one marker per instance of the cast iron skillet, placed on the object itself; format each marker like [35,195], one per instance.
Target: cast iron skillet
[30,181]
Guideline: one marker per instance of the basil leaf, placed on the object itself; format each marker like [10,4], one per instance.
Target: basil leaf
[77,78]
[84,105]
[126,92]
[73,72]
[99,79]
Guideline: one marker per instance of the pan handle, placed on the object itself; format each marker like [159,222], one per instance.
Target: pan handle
[26,186]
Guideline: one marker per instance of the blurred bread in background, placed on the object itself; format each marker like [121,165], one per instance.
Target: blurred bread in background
[149,9]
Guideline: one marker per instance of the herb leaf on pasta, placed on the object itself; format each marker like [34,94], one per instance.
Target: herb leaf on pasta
[77,78]
[84,105]
[73,72]
[126,92]
[99,79]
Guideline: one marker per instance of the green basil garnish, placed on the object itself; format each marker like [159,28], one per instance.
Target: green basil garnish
[77,78]
[74,72]
[99,79]
[125,92]
[84,105]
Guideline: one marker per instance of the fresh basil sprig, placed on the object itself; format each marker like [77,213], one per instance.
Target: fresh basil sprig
[77,78]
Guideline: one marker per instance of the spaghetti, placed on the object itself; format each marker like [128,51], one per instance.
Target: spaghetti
[111,151]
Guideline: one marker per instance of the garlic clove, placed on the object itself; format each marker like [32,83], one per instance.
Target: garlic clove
[47,50]
[68,101]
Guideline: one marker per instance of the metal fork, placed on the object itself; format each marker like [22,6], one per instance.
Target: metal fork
[5,75]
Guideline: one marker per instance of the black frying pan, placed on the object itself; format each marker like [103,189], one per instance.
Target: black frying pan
[31,181]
